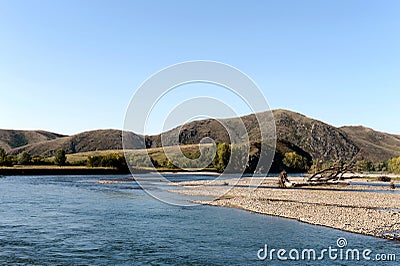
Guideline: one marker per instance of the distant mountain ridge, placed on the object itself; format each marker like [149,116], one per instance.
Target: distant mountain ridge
[316,138]
[107,139]
[10,139]
[374,144]
[294,131]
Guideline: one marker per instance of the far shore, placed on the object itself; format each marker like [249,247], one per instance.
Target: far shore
[63,170]
[84,170]
[364,209]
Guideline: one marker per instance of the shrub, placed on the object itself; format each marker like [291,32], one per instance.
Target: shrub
[24,158]
[295,162]
[364,166]
[93,161]
[9,160]
[381,166]
[2,154]
[78,163]
[113,160]
[60,158]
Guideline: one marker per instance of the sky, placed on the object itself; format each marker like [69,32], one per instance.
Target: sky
[71,66]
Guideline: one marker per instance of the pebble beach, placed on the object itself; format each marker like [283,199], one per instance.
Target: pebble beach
[370,209]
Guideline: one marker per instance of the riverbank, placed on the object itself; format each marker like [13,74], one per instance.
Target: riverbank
[83,170]
[63,170]
[364,209]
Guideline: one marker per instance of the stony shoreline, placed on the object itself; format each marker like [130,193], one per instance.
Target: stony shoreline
[369,210]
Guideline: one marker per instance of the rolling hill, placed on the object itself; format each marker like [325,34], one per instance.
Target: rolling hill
[374,145]
[320,140]
[10,139]
[109,139]
[294,131]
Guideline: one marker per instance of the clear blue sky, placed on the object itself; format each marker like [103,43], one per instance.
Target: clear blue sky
[70,66]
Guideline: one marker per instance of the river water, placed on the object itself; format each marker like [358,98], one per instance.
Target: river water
[74,220]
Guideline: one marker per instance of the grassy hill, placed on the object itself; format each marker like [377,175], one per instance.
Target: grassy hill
[295,132]
[95,140]
[319,139]
[10,139]
[314,137]
[190,151]
[374,145]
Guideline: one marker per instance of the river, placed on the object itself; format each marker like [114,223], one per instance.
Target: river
[71,220]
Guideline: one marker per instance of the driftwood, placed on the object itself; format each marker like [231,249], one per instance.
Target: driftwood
[316,183]
[330,175]
[384,178]
[333,173]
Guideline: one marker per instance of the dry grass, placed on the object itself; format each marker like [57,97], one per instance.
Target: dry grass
[155,153]
[81,156]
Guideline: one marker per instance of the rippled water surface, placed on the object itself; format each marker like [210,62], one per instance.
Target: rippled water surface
[73,220]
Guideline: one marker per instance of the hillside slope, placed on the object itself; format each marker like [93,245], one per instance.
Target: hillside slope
[320,140]
[306,135]
[10,139]
[109,139]
[374,145]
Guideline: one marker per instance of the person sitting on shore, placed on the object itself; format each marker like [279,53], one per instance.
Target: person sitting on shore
[284,181]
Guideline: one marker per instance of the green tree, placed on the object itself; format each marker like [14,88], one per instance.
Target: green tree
[3,155]
[295,162]
[222,157]
[381,166]
[364,166]
[93,161]
[9,160]
[24,158]
[60,159]
[394,165]
[113,160]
